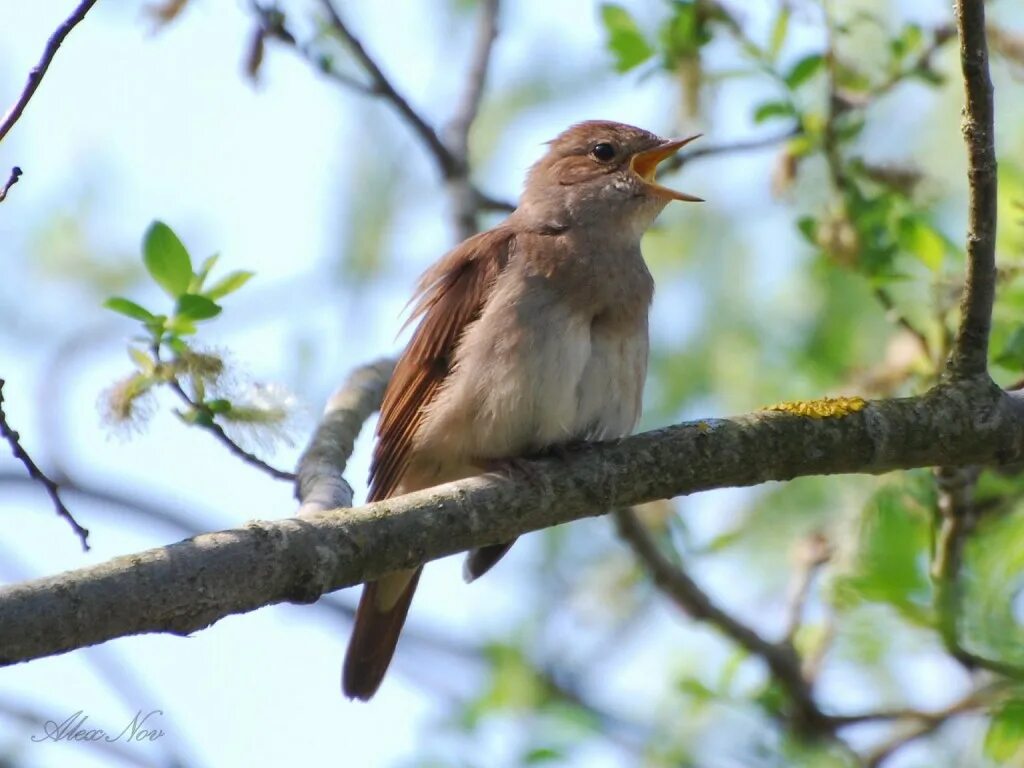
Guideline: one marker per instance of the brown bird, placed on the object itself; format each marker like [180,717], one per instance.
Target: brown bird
[531,335]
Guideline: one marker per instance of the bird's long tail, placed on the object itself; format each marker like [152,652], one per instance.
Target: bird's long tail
[379,619]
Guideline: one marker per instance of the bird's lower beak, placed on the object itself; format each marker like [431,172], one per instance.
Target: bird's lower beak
[645,164]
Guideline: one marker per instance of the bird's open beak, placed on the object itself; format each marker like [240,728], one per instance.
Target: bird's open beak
[645,164]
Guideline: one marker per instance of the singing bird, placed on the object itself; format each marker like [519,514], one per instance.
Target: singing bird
[531,335]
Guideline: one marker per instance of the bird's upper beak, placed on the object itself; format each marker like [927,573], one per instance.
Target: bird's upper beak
[645,164]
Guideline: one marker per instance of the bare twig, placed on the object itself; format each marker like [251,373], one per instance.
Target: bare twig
[449,164]
[893,313]
[781,659]
[958,516]
[926,724]
[209,423]
[35,76]
[812,553]
[970,350]
[732,147]
[466,198]
[320,483]
[11,181]
[457,132]
[272,26]
[52,489]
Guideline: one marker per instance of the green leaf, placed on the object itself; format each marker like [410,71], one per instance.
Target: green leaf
[193,307]
[228,284]
[779,31]
[891,560]
[539,755]
[219,405]
[166,259]
[804,70]
[1012,356]
[771,109]
[808,226]
[1005,737]
[685,32]
[180,326]
[196,284]
[145,363]
[920,239]
[177,345]
[908,41]
[625,40]
[128,308]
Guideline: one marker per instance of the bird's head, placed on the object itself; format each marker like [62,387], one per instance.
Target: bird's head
[602,172]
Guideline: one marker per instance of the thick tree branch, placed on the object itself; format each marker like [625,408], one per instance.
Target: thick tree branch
[53,491]
[189,585]
[35,77]
[970,351]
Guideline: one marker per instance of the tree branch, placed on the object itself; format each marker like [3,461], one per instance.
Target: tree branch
[448,163]
[320,483]
[958,516]
[35,76]
[715,150]
[781,659]
[970,350]
[14,440]
[211,425]
[465,196]
[189,585]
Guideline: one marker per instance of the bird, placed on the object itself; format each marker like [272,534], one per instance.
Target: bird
[530,336]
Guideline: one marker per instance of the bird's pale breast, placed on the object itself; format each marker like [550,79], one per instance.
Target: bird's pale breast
[537,370]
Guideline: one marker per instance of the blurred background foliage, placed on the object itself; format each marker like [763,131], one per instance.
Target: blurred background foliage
[828,260]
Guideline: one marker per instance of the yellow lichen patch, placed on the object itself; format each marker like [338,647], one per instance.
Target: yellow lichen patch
[703,427]
[823,408]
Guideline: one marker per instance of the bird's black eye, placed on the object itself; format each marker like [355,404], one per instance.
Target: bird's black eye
[603,152]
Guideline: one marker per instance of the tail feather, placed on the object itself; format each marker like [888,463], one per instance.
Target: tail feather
[374,639]
[479,561]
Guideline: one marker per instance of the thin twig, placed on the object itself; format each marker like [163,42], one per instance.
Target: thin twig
[457,132]
[35,76]
[215,429]
[272,25]
[449,164]
[465,196]
[210,425]
[732,147]
[958,516]
[52,489]
[893,313]
[927,723]
[976,699]
[814,551]
[11,181]
[781,659]
[970,350]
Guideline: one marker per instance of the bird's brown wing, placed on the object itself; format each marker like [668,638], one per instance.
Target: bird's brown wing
[449,297]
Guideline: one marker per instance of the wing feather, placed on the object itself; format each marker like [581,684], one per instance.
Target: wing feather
[449,297]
